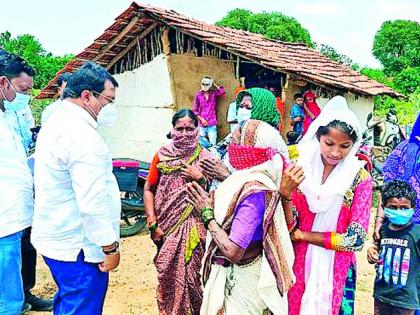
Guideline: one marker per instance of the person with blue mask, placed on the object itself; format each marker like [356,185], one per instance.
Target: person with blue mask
[16,186]
[16,194]
[404,164]
[397,253]
[17,120]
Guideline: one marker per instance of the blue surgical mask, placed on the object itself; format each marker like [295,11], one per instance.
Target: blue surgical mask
[20,102]
[399,216]
[243,114]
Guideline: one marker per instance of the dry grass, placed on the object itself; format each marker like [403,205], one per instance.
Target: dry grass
[132,285]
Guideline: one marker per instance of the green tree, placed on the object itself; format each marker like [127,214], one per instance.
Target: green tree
[408,80]
[334,55]
[378,75]
[28,47]
[397,45]
[273,25]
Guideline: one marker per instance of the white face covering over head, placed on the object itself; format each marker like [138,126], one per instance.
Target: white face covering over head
[325,200]
[206,84]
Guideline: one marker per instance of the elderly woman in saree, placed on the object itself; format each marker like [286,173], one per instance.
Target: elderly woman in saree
[253,103]
[248,263]
[333,205]
[175,228]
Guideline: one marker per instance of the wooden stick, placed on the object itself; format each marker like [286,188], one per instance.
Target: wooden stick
[131,45]
[111,44]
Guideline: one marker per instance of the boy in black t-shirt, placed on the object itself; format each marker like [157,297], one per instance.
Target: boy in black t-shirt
[397,283]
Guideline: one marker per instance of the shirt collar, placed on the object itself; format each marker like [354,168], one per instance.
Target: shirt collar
[79,111]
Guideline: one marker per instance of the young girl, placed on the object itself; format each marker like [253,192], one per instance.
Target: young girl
[333,205]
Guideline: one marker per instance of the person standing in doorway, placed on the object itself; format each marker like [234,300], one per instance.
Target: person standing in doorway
[205,107]
[279,104]
[297,114]
[232,114]
[77,207]
[312,110]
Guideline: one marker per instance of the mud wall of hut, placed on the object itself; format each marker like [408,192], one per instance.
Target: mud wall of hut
[186,71]
[145,106]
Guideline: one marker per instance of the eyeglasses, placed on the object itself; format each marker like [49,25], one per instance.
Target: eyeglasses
[110,100]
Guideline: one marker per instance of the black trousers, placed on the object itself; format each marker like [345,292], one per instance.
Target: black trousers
[28,261]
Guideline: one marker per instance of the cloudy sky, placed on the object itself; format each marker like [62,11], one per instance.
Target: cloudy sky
[69,26]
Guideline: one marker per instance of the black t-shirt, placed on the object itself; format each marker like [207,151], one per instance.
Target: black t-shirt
[398,269]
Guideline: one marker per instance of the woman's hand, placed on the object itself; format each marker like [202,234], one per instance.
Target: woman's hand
[373,255]
[297,235]
[198,197]
[157,235]
[191,172]
[291,179]
[214,169]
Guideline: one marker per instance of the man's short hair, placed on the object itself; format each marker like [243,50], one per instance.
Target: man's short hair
[292,137]
[11,65]
[398,189]
[90,77]
[64,77]
[297,95]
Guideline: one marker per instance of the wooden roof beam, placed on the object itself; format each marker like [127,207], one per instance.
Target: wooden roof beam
[111,44]
[131,45]
[101,41]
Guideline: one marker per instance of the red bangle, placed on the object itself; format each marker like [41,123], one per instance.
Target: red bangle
[327,240]
[291,225]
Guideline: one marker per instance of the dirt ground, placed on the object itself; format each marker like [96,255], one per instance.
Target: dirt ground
[132,285]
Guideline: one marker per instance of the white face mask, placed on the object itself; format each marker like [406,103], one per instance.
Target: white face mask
[243,114]
[107,115]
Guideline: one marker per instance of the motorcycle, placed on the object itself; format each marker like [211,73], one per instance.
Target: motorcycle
[386,135]
[131,176]
[387,132]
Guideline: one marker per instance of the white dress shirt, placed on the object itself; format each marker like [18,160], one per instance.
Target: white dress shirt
[49,110]
[27,115]
[16,185]
[77,202]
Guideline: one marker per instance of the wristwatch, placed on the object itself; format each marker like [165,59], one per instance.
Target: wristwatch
[114,250]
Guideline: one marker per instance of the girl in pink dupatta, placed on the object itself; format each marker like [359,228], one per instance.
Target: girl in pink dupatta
[312,109]
[333,205]
[175,226]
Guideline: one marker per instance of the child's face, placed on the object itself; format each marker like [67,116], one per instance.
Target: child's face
[398,211]
[398,204]
[299,101]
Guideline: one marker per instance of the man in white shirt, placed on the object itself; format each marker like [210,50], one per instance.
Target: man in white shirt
[61,82]
[16,186]
[231,116]
[77,206]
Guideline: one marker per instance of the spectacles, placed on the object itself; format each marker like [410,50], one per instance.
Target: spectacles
[110,100]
